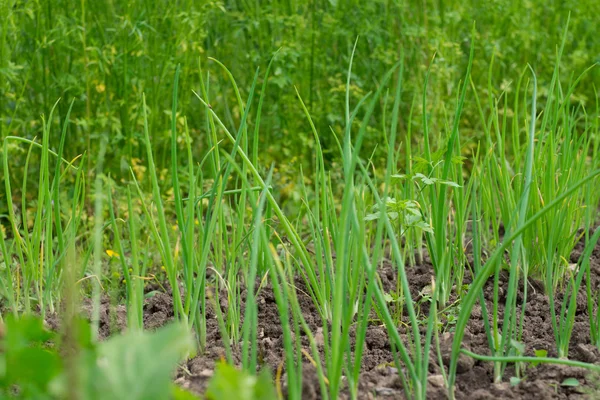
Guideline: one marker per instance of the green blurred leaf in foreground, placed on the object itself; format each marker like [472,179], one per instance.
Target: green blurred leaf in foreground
[135,365]
[138,365]
[231,383]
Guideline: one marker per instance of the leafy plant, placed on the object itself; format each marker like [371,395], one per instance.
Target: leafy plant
[28,362]
[135,365]
[409,145]
[405,213]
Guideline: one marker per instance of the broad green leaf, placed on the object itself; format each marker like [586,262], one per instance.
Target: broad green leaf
[138,365]
[32,368]
[26,361]
[25,331]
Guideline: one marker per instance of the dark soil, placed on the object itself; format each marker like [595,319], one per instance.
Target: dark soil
[379,378]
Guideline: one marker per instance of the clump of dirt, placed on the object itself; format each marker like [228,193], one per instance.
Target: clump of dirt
[113,317]
[158,310]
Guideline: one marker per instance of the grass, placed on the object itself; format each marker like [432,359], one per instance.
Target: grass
[226,148]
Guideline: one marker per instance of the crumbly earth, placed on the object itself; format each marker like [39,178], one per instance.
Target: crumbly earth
[379,378]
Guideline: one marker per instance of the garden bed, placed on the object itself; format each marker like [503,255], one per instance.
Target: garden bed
[379,378]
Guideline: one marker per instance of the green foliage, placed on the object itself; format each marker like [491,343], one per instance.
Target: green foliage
[165,113]
[28,363]
[570,382]
[135,365]
[106,57]
[229,382]
[539,353]
[406,213]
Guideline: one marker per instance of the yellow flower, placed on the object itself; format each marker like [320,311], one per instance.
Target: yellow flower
[112,253]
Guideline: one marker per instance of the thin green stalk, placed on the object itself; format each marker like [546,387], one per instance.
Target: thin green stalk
[137,282]
[441,212]
[250,316]
[218,188]
[164,237]
[129,295]
[509,323]
[98,229]
[536,360]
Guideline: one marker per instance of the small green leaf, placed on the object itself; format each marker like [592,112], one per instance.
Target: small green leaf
[458,159]
[372,217]
[399,177]
[570,382]
[437,155]
[391,202]
[518,346]
[413,211]
[427,291]
[424,226]
[412,219]
[539,353]
[449,183]
[514,381]
[426,180]
[420,160]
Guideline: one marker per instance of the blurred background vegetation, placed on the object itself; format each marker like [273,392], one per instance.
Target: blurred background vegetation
[105,54]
